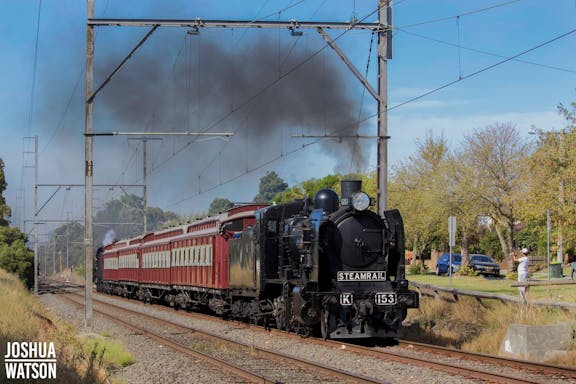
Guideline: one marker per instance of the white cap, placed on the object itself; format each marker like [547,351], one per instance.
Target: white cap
[524,251]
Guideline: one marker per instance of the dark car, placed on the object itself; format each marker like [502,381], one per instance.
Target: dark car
[444,261]
[484,265]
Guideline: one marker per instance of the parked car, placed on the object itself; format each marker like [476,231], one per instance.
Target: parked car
[484,265]
[444,261]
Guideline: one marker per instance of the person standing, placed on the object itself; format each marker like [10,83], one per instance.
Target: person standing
[522,272]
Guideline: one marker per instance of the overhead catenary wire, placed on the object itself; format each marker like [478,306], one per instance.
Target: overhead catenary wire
[484,69]
[403,103]
[187,54]
[390,108]
[556,68]
[468,13]
[265,88]
[356,147]
[34,70]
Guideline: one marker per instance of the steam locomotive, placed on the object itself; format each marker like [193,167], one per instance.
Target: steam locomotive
[327,266]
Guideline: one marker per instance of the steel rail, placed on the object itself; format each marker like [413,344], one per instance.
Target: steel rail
[333,372]
[473,373]
[547,369]
[217,363]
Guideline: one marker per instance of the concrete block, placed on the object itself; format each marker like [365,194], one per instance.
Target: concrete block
[536,342]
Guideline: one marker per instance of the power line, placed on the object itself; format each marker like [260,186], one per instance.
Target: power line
[35,65]
[482,52]
[65,112]
[265,88]
[460,15]
[389,109]
[484,69]
[274,159]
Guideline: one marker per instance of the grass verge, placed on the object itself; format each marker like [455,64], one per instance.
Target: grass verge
[24,319]
[480,326]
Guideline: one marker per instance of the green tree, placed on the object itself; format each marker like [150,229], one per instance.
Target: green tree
[4,210]
[270,185]
[495,159]
[457,194]
[416,189]
[219,205]
[308,188]
[124,216]
[15,257]
[67,242]
[552,185]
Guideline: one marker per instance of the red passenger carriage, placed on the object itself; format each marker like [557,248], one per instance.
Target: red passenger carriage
[179,265]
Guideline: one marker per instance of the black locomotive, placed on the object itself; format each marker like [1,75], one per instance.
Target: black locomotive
[329,265]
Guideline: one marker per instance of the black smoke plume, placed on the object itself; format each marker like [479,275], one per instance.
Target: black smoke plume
[256,90]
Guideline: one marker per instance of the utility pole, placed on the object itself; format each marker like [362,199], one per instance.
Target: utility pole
[88,140]
[144,176]
[384,53]
[53,255]
[145,201]
[36,214]
[67,236]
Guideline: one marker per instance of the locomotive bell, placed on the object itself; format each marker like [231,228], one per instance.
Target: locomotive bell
[327,200]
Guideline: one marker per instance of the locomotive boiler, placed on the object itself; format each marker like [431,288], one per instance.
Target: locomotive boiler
[327,266]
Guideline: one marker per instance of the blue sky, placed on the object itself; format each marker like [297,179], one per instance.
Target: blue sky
[170,85]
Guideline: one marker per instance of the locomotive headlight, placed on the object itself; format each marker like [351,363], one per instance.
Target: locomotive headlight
[360,201]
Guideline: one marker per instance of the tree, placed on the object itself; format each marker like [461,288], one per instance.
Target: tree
[4,210]
[308,188]
[270,185]
[15,257]
[460,202]
[552,185]
[66,240]
[219,205]
[125,218]
[416,189]
[495,157]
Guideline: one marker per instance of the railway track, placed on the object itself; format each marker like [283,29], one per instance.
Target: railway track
[524,365]
[243,360]
[482,367]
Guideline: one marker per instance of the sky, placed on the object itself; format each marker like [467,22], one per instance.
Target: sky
[457,67]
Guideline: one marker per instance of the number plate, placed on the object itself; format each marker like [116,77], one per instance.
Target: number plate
[346,299]
[385,298]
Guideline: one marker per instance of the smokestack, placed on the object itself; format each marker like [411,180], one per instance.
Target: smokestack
[349,187]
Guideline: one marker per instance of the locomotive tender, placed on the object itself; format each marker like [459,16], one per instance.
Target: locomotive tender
[327,266]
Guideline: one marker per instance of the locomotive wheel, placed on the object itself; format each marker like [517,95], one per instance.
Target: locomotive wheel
[324,316]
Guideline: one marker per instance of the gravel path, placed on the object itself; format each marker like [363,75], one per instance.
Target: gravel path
[158,364]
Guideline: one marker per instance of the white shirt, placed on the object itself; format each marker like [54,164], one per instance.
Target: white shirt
[522,268]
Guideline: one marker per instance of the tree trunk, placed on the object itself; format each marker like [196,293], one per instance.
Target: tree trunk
[506,249]
[464,251]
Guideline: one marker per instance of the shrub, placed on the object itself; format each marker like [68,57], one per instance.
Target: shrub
[418,269]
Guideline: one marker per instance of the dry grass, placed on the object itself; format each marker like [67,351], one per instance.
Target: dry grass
[472,325]
[23,319]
